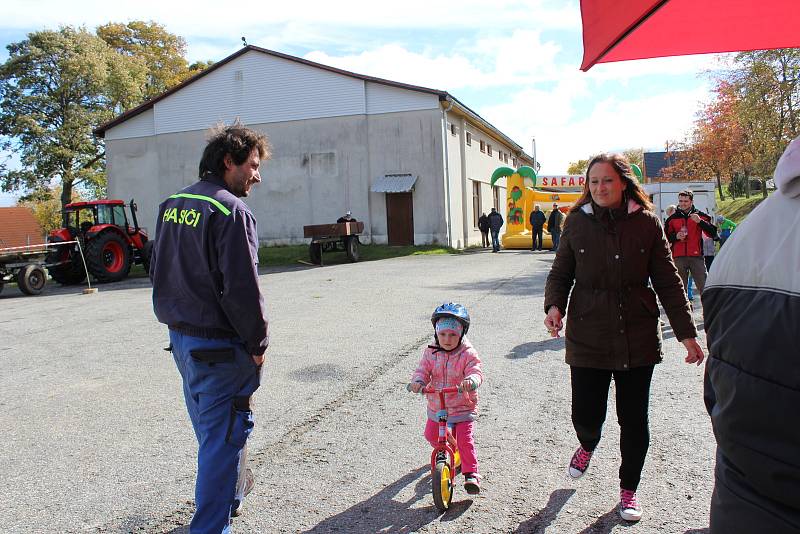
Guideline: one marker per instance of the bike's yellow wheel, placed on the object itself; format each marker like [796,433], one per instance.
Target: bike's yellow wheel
[442,486]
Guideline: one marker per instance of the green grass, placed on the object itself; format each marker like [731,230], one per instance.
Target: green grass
[739,208]
[293,254]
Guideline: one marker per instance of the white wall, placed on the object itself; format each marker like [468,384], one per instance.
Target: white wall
[259,88]
[320,168]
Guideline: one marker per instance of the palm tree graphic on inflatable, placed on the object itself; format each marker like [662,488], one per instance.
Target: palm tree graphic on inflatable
[516,182]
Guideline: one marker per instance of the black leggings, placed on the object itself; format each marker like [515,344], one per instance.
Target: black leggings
[589,403]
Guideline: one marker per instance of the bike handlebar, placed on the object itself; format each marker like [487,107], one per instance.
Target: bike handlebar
[449,389]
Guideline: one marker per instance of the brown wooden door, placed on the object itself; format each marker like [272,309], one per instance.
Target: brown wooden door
[400,218]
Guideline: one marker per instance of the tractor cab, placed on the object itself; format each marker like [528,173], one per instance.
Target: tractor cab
[111,241]
[82,218]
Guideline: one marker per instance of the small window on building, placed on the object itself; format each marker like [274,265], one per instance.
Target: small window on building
[514,162]
[476,203]
[489,149]
[483,146]
[496,198]
[469,139]
[452,129]
[505,157]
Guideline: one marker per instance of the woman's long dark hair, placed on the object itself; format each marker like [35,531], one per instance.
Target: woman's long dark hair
[633,189]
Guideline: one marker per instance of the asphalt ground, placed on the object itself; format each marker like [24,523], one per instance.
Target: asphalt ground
[95,436]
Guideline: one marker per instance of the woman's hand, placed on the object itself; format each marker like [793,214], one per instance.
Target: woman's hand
[553,321]
[694,354]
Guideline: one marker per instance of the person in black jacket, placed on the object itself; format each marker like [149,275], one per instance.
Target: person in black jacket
[554,225]
[205,289]
[537,219]
[751,306]
[483,226]
[495,223]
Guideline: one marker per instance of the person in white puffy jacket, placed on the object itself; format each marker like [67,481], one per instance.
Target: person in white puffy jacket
[751,306]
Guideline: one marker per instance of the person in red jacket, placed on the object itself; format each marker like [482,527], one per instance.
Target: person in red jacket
[684,229]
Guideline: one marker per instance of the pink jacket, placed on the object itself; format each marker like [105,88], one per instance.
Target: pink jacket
[442,369]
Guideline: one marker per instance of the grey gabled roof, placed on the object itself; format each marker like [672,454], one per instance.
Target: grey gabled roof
[443,95]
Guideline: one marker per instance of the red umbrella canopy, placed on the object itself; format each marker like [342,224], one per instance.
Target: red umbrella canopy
[618,30]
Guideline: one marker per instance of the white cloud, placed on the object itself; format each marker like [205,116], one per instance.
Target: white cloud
[209,17]
[521,58]
[7,199]
[612,124]
[504,44]
[663,66]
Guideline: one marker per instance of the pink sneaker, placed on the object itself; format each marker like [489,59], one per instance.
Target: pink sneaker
[629,508]
[579,463]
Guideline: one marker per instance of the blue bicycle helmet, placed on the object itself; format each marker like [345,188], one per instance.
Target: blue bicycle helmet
[456,311]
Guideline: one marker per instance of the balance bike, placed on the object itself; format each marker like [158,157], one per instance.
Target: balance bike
[445,459]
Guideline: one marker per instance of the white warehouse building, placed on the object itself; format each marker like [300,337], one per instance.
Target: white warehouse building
[412,163]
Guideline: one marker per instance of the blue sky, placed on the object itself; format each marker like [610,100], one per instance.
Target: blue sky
[514,62]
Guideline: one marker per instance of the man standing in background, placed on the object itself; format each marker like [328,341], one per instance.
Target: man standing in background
[537,220]
[554,225]
[684,229]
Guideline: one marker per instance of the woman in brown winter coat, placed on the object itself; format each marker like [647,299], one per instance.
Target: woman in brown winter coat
[614,250]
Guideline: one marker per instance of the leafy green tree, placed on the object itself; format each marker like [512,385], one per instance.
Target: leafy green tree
[635,156]
[55,87]
[578,167]
[46,207]
[767,83]
[162,53]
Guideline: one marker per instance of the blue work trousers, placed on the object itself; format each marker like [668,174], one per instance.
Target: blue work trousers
[495,240]
[219,376]
[556,235]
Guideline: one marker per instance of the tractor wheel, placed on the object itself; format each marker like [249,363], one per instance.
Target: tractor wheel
[69,273]
[31,279]
[147,255]
[108,257]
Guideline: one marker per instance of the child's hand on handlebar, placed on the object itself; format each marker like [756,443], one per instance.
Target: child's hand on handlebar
[468,385]
[415,387]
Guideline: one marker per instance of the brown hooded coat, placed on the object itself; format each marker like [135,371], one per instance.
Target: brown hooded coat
[616,259]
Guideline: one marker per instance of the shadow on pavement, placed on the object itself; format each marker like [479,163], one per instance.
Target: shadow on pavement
[546,515]
[606,522]
[382,513]
[529,349]
[534,283]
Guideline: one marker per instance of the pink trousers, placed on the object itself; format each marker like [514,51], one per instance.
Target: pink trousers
[466,445]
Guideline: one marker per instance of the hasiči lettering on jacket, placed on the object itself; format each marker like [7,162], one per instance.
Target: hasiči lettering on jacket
[188,217]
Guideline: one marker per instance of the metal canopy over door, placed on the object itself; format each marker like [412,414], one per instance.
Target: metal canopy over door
[400,218]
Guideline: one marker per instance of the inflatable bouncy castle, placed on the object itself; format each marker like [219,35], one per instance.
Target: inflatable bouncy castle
[523,191]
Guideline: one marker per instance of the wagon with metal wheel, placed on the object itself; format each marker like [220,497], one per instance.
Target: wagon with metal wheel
[333,237]
[25,266]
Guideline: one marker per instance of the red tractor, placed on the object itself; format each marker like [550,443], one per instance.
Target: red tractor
[110,244]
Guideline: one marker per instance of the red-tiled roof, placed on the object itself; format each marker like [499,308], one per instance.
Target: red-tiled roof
[18,227]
